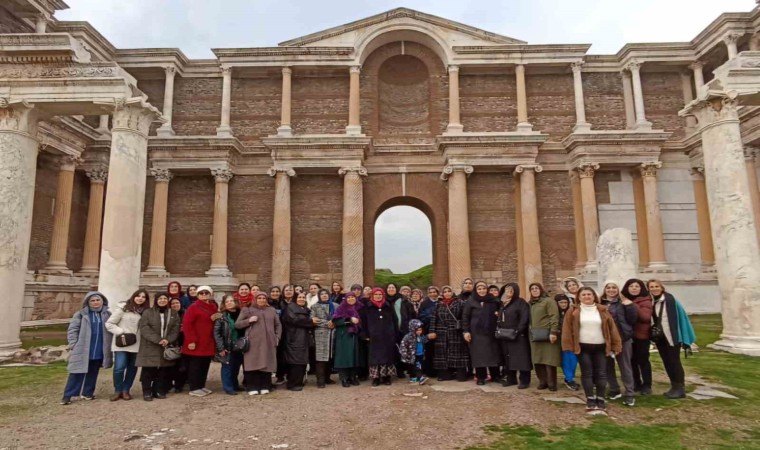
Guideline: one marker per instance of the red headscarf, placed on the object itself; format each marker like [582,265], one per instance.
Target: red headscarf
[372,297]
[179,290]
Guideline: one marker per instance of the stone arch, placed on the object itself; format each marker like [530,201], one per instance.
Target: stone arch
[407,32]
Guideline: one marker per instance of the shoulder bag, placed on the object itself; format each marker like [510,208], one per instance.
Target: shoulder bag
[539,334]
[457,322]
[171,352]
[656,332]
[243,343]
[125,340]
[505,334]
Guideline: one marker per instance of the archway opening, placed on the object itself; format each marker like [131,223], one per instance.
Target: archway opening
[403,247]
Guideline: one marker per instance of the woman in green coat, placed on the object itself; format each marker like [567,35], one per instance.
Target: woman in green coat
[347,349]
[546,352]
[159,328]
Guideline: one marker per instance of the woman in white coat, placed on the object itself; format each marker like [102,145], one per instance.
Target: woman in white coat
[123,325]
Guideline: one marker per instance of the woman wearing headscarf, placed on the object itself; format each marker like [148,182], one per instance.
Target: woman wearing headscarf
[262,326]
[545,348]
[636,290]
[623,311]
[198,346]
[467,289]
[296,319]
[275,295]
[427,308]
[348,357]
[479,325]
[395,300]
[177,376]
[515,353]
[159,328]
[321,315]
[124,326]
[380,329]
[174,290]
[451,354]
[190,296]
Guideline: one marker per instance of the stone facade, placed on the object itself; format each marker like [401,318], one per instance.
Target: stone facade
[258,162]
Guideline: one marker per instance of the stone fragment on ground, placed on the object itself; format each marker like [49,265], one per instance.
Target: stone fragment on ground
[570,400]
[708,393]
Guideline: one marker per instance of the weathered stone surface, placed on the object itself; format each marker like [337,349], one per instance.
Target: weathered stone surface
[616,258]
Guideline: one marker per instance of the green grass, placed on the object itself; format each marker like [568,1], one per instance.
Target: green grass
[420,278]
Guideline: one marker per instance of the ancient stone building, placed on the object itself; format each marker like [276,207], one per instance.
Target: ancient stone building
[272,164]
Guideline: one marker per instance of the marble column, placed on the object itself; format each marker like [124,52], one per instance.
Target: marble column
[706,251]
[590,213]
[59,243]
[630,112]
[166,129]
[222,177]
[103,125]
[657,261]
[353,225]
[750,155]
[699,78]
[354,127]
[285,130]
[157,257]
[91,252]
[120,255]
[580,236]
[737,255]
[529,210]
[638,97]
[460,265]
[688,96]
[730,40]
[519,231]
[281,225]
[522,100]
[642,233]
[224,129]
[455,122]
[41,23]
[581,126]
[18,168]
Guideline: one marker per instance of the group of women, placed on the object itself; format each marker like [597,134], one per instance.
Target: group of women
[484,332]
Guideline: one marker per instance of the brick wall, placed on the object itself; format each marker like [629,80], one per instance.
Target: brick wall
[9,23]
[551,103]
[320,104]
[663,98]
[249,225]
[254,107]
[189,225]
[555,225]
[603,98]
[602,181]
[197,105]
[488,102]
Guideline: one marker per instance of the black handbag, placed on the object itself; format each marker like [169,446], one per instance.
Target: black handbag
[172,353]
[241,345]
[656,332]
[125,340]
[506,334]
[539,334]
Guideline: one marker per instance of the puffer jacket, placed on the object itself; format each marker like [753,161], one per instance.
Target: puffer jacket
[80,332]
[408,346]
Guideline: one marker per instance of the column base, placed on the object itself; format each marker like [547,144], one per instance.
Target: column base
[591,267]
[582,128]
[225,131]
[454,128]
[88,272]
[658,267]
[9,349]
[524,127]
[56,270]
[219,272]
[285,131]
[163,131]
[739,345]
[354,130]
[155,272]
[643,126]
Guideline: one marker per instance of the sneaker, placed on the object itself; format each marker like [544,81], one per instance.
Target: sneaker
[413,380]
[264,391]
[253,392]
[207,391]
[646,390]
[423,380]
[601,404]
[614,395]
[629,401]
[198,393]
[590,404]
[88,397]
[66,401]
[572,385]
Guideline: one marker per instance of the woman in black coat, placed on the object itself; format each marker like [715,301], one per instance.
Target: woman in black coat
[479,325]
[515,315]
[380,330]
[296,319]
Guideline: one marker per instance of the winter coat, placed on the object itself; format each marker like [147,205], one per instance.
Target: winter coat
[379,326]
[151,354]
[198,328]
[297,321]
[324,336]
[80,332]
[544,313]
[681,330]
[225,334]
[484,349]
[408,346]
[571,333]
[124,322]
[516,316]
[264,336]
[349,353]
[407,314]
[625,317]
[643,324]
[426,312]
[450,347]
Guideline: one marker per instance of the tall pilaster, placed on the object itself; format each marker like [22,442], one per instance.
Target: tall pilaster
[157,257]
[281,225]
[460,265]
[580,235]
[91,252]
[18,168]
[750,156]
[59,243]
[630,111]
[581,126]
[522,100]
[222,177]
[224,129]
[737,255]
[730,40]
[642,232]
[706,251]
[590,214]
[529,209]
[166,129]
[699,78]
[638,97]
[657,260]
[354,127]
[120,255]
[353,225]
[688,96]
[285,130]
[455,121]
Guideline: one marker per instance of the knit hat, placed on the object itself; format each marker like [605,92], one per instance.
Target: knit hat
[205,288]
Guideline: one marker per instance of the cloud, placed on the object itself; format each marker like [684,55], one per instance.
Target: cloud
[403,240]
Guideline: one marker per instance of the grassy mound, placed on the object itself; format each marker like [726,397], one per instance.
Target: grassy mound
[420,278]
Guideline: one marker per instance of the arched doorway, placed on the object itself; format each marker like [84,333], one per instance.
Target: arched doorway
[403,246]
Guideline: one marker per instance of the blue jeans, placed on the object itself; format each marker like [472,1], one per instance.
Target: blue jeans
[124,371]
[230,372]
[569,364]
[83,383]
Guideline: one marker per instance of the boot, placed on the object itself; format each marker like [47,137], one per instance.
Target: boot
[355,380]
[676,391]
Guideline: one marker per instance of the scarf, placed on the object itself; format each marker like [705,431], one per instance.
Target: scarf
[380,303]
[243,300]
[445,301]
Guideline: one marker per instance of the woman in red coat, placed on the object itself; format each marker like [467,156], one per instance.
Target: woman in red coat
[198,346]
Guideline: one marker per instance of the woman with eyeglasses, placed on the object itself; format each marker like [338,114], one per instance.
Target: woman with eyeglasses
[198,346]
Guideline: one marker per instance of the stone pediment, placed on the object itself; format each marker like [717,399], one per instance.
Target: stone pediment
[353,33]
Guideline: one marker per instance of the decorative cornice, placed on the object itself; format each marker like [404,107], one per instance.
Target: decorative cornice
[41,48]
[360,171]
[451,168]
[162,175]
[281,51]
[222,174]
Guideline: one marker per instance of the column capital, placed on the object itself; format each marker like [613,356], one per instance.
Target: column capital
[19,117]
[355,69]
[714,110]
[170,71]
[649,169]
[587,170]
[697,173]
[360,171]
[577,66]
[226,70]
[287,70]
[732,38]
[161,175]
[697,65]
[633,65]
[273,171]
[523,167]
[222,175]
[97,175]
[453,68]
[69,162]
[451,168]
[750,153]
[134,115]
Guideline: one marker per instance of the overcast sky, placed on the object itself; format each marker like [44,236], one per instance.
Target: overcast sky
[403,240]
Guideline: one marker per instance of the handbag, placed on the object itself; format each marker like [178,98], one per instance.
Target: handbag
[506,334]
[172,353]
[125,340]
[656,332]
[539,334]
[242,344]
[457,322]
